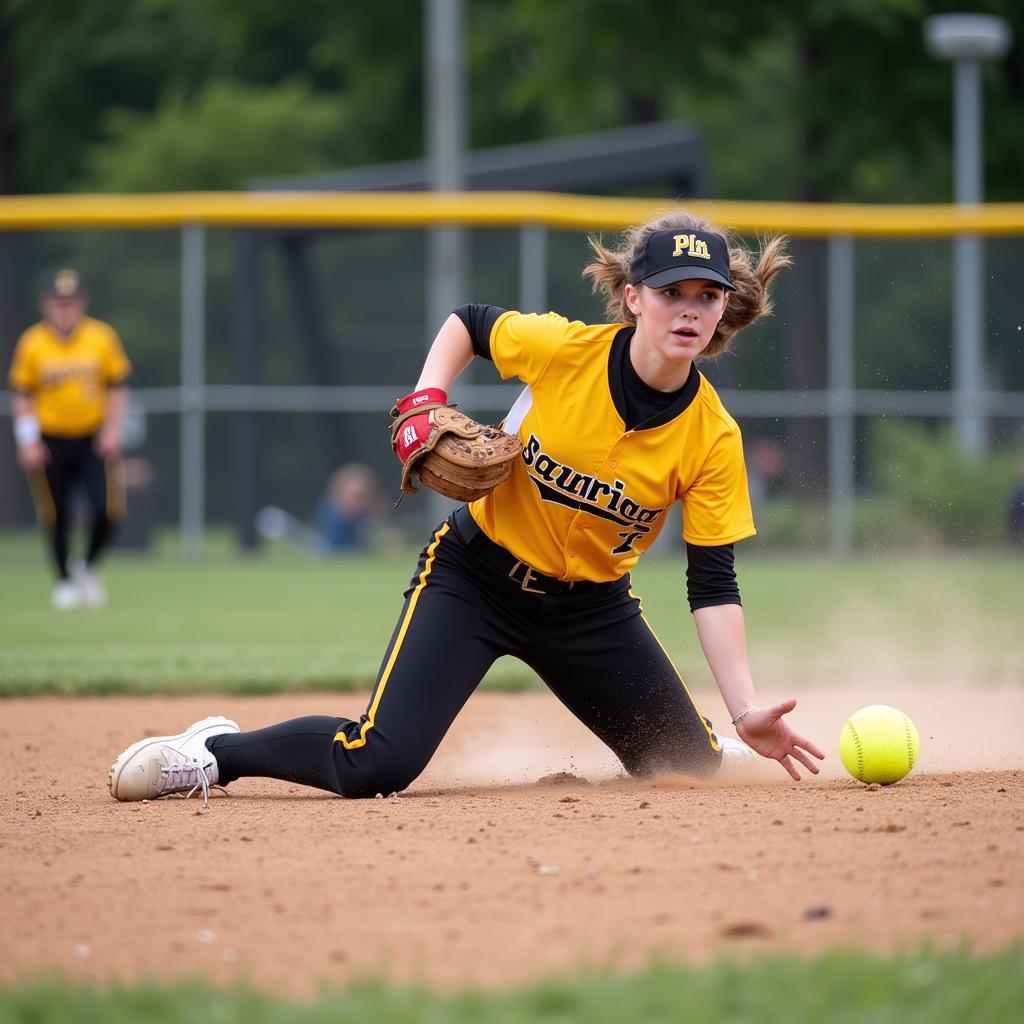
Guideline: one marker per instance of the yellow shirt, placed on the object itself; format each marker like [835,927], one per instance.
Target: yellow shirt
[588,497]
[68,378]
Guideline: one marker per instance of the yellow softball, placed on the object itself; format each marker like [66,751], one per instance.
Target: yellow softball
[879,744]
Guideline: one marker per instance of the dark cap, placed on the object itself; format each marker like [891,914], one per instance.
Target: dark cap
[65,284]
[680,255]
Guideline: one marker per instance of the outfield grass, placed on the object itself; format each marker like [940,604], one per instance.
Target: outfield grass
[838,987]
[272,624]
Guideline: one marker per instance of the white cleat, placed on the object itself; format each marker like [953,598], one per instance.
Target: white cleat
[91,591]
[65,595]
[160,765]
[737,752]
[739,762]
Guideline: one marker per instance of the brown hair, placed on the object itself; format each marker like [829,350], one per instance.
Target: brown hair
[609,274]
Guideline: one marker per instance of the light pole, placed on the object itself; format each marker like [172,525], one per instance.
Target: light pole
[967,40]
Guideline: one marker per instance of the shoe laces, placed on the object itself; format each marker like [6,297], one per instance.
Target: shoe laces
[188,774]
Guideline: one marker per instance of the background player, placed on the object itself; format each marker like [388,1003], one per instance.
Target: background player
[617,424]
[68,375]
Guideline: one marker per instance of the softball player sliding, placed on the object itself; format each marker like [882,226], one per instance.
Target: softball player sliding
[617,424]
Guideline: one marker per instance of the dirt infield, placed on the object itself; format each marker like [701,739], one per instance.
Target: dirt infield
[487,872]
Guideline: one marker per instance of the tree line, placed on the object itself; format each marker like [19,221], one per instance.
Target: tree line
[831,100]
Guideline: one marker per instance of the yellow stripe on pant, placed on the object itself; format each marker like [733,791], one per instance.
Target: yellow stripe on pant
[371,716]
[712,739]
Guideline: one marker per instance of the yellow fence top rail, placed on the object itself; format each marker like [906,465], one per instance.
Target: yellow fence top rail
[488,209]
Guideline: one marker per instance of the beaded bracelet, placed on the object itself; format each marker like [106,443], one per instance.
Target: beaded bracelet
[743,714]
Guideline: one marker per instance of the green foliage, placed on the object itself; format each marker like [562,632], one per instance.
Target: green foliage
[884,523]
[960,499]
[771,85]
[881,523]
[787,523]
[219,138]
[71,62]
[926,494]
[841,987]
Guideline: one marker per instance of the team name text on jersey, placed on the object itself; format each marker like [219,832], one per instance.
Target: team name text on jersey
[564,485]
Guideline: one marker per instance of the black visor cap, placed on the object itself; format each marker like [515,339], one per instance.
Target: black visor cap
[677,255]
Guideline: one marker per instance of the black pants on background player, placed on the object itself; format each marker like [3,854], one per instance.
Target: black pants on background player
[469,603]
[73,466]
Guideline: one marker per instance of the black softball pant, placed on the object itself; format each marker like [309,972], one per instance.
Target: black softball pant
[74,464]
[590,644]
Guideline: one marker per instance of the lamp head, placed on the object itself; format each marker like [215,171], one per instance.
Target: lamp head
[967,36]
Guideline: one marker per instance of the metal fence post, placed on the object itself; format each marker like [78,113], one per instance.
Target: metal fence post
[841,380]
[192,490]
[533,268]
[445,112]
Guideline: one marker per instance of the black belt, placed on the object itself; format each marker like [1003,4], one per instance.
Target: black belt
[506,564]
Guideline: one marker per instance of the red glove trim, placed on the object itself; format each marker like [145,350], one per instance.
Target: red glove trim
[418,398]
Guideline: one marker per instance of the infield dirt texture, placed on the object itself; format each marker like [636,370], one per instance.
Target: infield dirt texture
[521,852]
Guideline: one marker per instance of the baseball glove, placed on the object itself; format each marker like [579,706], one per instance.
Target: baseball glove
[446,450]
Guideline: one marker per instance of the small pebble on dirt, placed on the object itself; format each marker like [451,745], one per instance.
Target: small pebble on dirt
[817,912]
[873,788]
[547,869]
[745,930]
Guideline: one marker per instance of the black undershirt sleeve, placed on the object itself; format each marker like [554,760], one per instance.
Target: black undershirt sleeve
[711,576]
[480,320]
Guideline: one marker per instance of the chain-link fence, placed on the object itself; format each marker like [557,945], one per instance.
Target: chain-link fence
[267,355]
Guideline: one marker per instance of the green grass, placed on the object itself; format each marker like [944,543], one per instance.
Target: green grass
[837,987]
[275,623]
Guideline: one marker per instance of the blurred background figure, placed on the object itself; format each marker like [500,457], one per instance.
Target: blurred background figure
[345,516]
[347,510]
[68,376]
[766,464]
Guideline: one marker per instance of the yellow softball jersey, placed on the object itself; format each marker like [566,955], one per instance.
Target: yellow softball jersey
[588,497]
[68,378]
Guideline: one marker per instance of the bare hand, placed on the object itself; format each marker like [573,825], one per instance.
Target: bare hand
[108,444]
[766,731]
[33,456]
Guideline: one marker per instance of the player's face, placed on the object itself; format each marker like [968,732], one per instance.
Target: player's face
[679,319]
[63,314]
